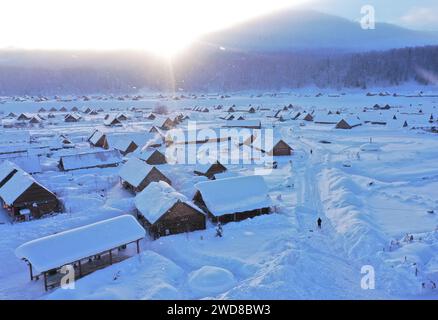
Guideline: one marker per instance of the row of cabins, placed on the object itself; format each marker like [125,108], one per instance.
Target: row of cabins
[160,211]
[164,211]
[87,110]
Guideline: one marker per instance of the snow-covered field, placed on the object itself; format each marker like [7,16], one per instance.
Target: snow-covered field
[371,185]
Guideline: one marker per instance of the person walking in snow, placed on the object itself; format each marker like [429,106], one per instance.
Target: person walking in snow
[319,221]
[219,230]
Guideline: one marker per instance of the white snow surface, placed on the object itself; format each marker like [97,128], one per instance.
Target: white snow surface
[367,208]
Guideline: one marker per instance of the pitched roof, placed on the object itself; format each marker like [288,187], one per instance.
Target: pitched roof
[69,246]
[91,159]
[6,168]
[16,186]
[237,194]
[134,171]
[156,199]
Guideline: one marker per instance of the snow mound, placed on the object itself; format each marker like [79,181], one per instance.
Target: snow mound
[370,147]
[211,280]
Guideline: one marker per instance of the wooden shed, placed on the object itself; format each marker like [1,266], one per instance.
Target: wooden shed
[24,117]
[151,116]
[122,117]
[281,148]
[135,175]
[101,159]
[112,121]
[307,117]
[210,169]
[153,157]
[72,117]
[164,211]
[98,139]
[233,199]
[87,249]
[24,198]
[163,123]
[125,146]
[348,123]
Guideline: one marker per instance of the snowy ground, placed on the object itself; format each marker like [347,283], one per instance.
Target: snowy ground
[368,201]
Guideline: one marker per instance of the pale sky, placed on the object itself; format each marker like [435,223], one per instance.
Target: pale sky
[166,26]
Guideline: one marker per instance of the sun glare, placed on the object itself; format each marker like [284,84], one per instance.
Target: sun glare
[164,27]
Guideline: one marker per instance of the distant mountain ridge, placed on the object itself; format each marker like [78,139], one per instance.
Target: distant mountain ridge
[287,49]
[307,29]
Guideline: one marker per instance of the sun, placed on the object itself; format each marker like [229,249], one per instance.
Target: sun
[164,27]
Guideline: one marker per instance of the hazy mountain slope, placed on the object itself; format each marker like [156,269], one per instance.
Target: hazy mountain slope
[300,29]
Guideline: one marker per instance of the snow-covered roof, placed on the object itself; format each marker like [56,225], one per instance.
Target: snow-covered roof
[327,118]
[243,123]
[15,186]
[92,159]
[6,167]
[111,120]
[237,194]
[352,120]
[134,171]
[146,153]
[69,246]
[95,136]
[160,121]
[156,199]
[14,136]
[29,163]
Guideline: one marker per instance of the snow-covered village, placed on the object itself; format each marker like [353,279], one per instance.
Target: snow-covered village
[267,187]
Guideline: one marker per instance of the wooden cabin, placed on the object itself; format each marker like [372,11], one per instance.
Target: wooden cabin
[98,139]
[63,109]
[233,199]
[163,123]
[151,116]
[281,148]
[153,157]
[348,123]
[101,159]
[163,211]
[125,146]
[135,175]
[35,120]
[210,169]
[307,117]
[24,198]
[72,117]
[122,117]
[112,121]
[24,117]
[248,124]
